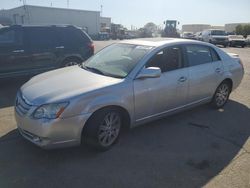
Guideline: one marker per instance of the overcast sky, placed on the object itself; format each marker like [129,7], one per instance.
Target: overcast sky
[139,12]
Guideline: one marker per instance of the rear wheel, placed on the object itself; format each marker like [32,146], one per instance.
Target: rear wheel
[103,129]
[221,95]
[71,62]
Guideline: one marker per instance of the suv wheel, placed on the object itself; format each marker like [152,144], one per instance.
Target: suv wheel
[71,62]
[103,129]
[221,95]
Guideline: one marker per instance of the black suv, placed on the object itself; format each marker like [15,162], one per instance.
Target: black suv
[35,49]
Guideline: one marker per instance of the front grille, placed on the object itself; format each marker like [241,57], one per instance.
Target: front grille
[22,105]
[221,40]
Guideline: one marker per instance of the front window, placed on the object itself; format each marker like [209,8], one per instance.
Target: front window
[117,60]
[218,32]
[7,36]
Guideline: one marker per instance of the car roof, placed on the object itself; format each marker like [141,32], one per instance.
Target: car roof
[161,42]
[48,26]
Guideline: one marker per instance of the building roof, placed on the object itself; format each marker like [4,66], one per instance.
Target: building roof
[53,8]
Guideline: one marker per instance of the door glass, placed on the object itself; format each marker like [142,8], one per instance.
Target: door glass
[198,55]
[215,55]
[167,59]
[41,37]
[7,36]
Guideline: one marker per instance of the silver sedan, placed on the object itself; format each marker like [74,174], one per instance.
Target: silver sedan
[123,86]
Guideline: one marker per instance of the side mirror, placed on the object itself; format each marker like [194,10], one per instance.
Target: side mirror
[150,72]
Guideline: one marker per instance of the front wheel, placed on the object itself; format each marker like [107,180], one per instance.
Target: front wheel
[103,129]
[221,95]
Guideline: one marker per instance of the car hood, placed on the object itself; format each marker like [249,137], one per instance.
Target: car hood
[62,84]
[241,40]
[219,37]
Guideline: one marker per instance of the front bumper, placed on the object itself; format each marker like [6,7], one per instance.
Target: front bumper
[50,134]
[220,42]
[238,43]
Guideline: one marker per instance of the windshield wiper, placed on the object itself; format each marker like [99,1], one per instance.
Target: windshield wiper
[92,69]
[95,70]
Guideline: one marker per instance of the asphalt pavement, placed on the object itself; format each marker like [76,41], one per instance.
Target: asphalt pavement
[201,147]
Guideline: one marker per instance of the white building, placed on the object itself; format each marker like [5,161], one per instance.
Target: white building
[105,22]
[36,15]
[195,27]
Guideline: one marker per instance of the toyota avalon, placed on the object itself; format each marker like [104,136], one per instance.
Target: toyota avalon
[124,85]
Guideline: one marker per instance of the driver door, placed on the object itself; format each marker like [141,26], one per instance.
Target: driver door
[157,96]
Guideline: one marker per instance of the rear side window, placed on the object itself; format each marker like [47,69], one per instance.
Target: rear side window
[198,55]
[41,37]
[214,55]
[72,37]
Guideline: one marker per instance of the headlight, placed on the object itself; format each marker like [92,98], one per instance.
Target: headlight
[50,111]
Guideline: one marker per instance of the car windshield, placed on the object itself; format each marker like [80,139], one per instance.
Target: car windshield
[218,32]
[117,60]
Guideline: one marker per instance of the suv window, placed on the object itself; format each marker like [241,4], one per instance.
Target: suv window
[198,55]
[41,37]
[7,36]
[167,59]
[72,36]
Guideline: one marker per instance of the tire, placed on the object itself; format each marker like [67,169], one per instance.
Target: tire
[71,62]
[221,95]
[98,133]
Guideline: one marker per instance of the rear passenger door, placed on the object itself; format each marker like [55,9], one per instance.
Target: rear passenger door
[202,77]
[74,42]
[42,47]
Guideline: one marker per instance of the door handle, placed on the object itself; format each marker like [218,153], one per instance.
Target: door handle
[60,47]
[218,70]
[18,51]
[182,79]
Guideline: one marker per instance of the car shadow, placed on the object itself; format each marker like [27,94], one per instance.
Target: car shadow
[9,88]
[184,150]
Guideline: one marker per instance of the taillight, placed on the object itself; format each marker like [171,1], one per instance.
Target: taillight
[91,46]
[241,64]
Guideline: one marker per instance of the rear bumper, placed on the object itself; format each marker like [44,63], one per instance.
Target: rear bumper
[51,134]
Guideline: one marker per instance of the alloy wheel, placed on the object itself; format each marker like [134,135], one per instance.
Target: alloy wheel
[109,129]
[222,95]
[71,63]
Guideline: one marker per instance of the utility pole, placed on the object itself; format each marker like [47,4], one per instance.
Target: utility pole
[67,3]
[24,2]
[101,10]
